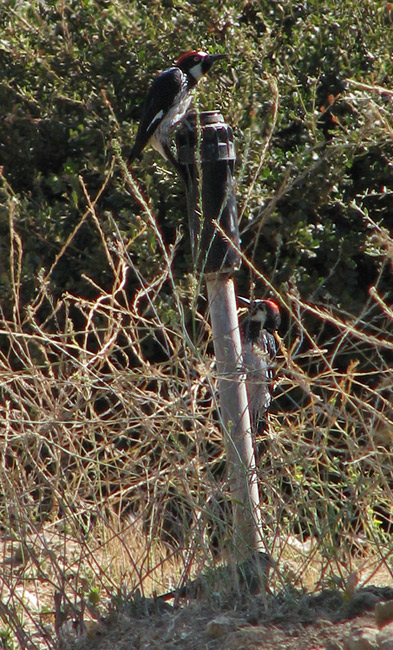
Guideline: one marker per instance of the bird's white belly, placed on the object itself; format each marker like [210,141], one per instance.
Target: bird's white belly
[256,365]
[172,119]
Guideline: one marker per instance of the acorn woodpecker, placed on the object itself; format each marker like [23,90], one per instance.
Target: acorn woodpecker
[168,101]
[259,350]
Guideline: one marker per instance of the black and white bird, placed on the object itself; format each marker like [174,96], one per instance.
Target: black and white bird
[259,348]
[168,101]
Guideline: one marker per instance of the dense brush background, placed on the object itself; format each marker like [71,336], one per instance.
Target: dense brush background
[112,463]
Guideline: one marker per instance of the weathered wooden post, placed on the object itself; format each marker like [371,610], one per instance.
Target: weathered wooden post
[206,154]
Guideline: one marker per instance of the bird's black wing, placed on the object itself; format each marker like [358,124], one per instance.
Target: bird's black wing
[158,101]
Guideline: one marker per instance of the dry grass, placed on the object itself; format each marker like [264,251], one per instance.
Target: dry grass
[112,466]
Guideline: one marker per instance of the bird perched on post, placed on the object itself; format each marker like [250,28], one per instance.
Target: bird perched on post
[168,101]
[259,350]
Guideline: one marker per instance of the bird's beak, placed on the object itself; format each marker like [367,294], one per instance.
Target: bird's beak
[211,59]
[216,57]
[244,301]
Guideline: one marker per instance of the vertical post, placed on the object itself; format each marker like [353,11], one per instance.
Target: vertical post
[235,415]
[207,155]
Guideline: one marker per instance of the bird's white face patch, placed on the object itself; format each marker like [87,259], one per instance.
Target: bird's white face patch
[196,71]
[259,315]
[156,118]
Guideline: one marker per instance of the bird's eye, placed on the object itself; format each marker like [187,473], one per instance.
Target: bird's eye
[196,59]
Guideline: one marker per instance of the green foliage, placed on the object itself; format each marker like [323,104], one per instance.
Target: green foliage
[74,76]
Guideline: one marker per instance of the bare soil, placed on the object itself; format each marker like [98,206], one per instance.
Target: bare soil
[326,621]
